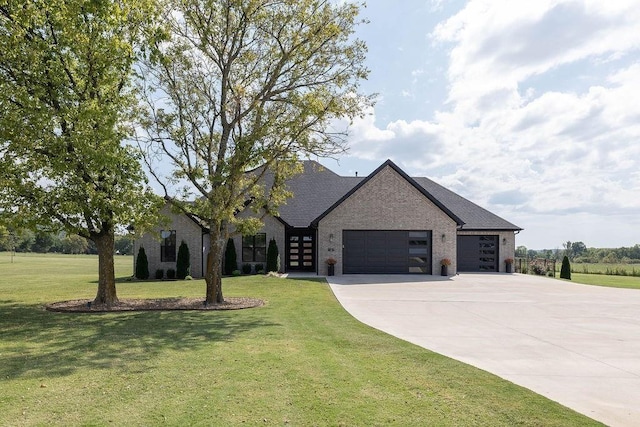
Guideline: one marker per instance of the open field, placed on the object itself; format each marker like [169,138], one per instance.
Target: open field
[604,268]
[299,360]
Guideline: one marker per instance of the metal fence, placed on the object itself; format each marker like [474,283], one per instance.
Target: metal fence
[539,266]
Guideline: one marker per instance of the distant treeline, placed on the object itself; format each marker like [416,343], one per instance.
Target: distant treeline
[43,242]
[579,253]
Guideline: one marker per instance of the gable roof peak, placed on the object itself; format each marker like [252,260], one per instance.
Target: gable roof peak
[404,175]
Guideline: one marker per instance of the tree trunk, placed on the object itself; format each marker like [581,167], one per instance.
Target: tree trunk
[106,273]
[213,276]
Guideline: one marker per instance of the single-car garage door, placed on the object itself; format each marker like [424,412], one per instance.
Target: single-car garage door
[386,251]
[477,253]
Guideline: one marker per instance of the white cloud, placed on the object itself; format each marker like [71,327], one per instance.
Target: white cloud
[498,44]
[509,142]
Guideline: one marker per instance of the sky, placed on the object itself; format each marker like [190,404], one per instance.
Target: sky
[530,109]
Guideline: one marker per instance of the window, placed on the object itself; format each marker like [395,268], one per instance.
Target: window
[487,251]
[419,252]
[254,248]
[168,246]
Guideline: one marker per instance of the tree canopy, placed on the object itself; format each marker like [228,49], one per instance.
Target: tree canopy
[237,92]
[65,103]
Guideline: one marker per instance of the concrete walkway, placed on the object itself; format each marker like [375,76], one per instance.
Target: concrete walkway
[576,344]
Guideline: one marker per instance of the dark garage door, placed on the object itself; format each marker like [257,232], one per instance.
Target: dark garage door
[386,251]
[477,253]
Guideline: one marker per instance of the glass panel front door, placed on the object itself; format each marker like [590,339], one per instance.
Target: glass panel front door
[300,251]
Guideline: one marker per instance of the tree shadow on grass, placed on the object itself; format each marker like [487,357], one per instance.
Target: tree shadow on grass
[37,343]
[132,279]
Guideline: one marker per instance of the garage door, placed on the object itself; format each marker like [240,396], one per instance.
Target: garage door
[477,253]
[386,251]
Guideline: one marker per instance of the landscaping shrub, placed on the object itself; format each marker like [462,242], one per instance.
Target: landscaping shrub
[259,268]
[171,273]
[183,263]
[246,268]
[142,265]
[537,269]
[565,270]
[542,267]
[230,258]
[272,256]
[159,274]
[236,273]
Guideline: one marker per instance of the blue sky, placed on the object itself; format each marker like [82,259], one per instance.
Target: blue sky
[530,109]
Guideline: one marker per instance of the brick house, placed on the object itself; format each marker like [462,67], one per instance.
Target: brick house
[386,222]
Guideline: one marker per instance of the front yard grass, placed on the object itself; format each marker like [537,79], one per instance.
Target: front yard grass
[299,360]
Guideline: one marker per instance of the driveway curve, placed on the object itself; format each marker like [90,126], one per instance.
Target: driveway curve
[576,344]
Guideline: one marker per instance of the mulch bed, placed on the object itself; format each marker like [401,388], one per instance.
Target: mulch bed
[87,306]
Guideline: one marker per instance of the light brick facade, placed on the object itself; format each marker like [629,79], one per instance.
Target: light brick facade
[387,202]
[186,230]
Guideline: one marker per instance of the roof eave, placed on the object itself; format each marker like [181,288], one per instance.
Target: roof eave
[515,228]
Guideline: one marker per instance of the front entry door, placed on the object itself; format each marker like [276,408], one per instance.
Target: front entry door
[301,250]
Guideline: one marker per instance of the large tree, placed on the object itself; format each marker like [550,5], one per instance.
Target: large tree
[578,248]
[236,93]
[65,96]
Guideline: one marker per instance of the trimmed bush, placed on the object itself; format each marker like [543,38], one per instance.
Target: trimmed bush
[159,274]
[246,268]
[259,268]
[171,274]
[236,273]
[183,262]
[142,265]
[565,270]
[230,258]
[272,256]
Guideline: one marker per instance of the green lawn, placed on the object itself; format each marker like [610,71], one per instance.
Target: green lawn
[299,360]
[606,280]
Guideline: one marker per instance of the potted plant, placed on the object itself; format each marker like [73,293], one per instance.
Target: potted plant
[509,265]
[444,266]
[331,263]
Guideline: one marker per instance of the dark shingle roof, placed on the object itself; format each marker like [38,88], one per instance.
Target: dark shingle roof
[314,190]
[318,190]
[474,217]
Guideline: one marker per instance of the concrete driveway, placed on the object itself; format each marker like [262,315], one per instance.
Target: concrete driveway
[575,344]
